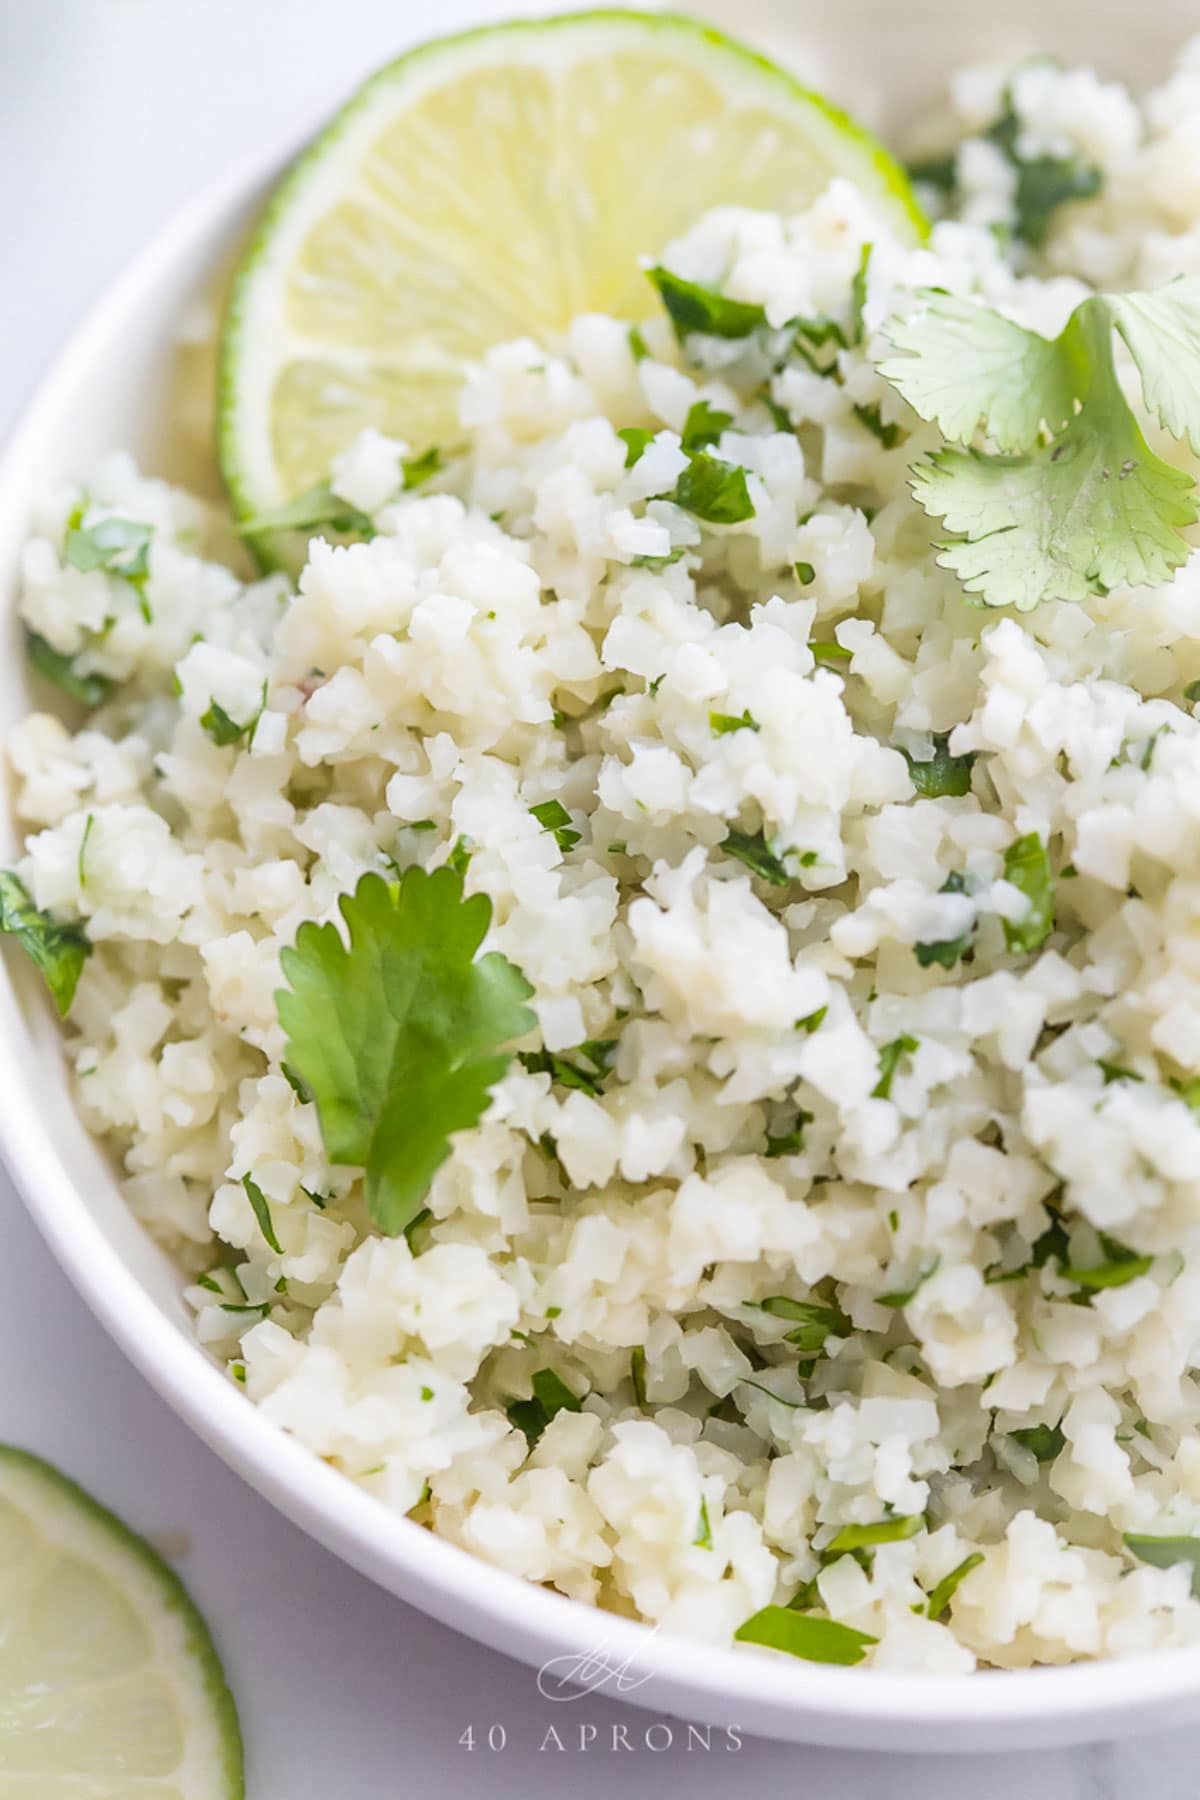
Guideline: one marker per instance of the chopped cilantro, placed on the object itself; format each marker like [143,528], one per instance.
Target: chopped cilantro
[790,1142]
[120,547]
[551,1395]
[1044,183]
[703,426]
[703,1538]
[695,308]
[806,1635]
[460,855]
[1165,1552]
[1112,1071]
[721,724]
[1192,691]
[929,1266]
[827,651]
[62,672]
[805,574]
[316,506]
[398,1033]
[635,439]
[553,816]
[226,731]
[262,1212]
[81,859]
[713,490]
[752,849]
[1120,1265]
[947,1587]
[941,775]
[814,1322]
[1027,867]
[1042,1441]
[858,295]
[637,1373]
[872,419]
[811,1021]
[639,349]
[59,951]
[417,469]
[889,1062]
[884,1531]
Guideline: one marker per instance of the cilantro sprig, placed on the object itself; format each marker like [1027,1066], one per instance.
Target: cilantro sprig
[59,951]
[1074,501]
[398,1033]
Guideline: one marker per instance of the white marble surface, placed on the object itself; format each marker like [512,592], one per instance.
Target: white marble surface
[111,112]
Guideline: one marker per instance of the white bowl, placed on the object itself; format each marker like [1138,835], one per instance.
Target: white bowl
[107,390]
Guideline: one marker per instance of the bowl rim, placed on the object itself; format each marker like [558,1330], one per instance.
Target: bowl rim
[475,1597]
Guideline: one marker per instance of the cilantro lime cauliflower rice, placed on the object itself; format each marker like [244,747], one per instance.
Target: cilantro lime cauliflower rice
[666,1037]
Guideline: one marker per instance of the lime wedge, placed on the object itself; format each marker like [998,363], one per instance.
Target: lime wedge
[110,1688]
[493,185]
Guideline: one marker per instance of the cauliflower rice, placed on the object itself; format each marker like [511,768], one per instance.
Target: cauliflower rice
[533,625]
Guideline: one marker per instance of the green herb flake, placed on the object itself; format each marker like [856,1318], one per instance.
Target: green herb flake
[1042,1441]
[1120,1265]
[238,1371]
[695,308]
[81,859]
[812,1021]
[638,347]
[62,672]
[566,1074]
[315,507]
[637,1374]
[460,855]
[858,295]
[703,1539]
[751,849]
[225,731]
[805,574]
[889,1061]
[947,1587]
[553,816]
[419,469]
[399,1033]
[1044,183]
[885,1531]
[262,1212]
[941,776]
[791,1142]
[551,1395]
[703,426]
[120,547]
[1165,1552]
[1112,1071]
[929,1266]
[59,951]
[806,1635]
[1027,867]
[636,441]
[813,1321]
[871,418]
[722,724]
[1192,691]
[713,490]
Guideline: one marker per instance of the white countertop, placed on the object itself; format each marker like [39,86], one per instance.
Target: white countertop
[111,113]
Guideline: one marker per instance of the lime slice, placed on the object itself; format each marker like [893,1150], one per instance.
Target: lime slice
[110,1688]
[493,185]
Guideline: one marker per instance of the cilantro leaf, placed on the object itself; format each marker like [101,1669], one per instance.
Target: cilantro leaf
[946,1588]
[551,1395]
[695,308]
[1120,1265]
[814,1322]
[566,1074]
[226,731]
[59,951]
[988,374]
[806,1635]
[553,816]
[1042,1441]
[635,439]
[1165,1552]
[1044,183]
[752,849]
[713,490]
[929,1266]
[884,1531]
[1088,507]
[118,546]
[889,1062]
[53,666]
[316,506]
[262,1212]
[418,469]
[941,775]
[703,426]
[721,724]
[1027,867]
[703,1538]
[397,1034]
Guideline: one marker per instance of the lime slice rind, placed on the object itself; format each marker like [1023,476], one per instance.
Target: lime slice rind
[478,228]
[64,1531]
